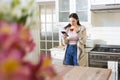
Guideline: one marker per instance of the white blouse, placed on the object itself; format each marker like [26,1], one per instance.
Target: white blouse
[72,37]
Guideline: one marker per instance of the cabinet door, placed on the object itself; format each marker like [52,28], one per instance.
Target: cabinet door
[65,7]
[102,1]
[117,1]
[64,10]
[92,2]
[82,10]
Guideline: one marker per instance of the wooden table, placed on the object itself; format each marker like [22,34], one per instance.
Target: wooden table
[82,73]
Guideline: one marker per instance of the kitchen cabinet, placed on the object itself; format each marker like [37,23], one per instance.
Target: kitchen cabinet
[102,1]
[65,7]
[95,2]
[63,10]
[117,1]
[39,1]
[58,53]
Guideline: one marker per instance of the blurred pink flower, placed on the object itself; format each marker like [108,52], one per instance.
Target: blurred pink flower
[15,37]
[15,42]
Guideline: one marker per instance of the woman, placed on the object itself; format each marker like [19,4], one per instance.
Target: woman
[74,39]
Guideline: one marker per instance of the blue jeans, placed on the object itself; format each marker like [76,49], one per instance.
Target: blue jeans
[71,55]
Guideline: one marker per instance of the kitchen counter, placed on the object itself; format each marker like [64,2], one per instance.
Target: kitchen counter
[58,53]
[82,73]
[87,49]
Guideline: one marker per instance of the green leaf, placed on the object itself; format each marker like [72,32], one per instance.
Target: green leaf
[31,2]
[24,10]
[15,3]
[23,19]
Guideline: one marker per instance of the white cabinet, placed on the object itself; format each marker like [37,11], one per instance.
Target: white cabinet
[117,1]
[43,0]
[65,7]
[105,1]
[57,55]
[63,10]
[102,1]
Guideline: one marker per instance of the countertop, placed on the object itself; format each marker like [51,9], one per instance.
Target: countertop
[59,48]
[82,73]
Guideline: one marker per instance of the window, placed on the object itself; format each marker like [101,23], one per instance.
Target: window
[49,34]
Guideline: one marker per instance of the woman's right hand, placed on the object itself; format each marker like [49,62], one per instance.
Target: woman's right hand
[65,36]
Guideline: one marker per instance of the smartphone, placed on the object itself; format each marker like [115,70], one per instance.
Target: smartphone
[63,32]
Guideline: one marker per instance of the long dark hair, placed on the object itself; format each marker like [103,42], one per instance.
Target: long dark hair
[73,15]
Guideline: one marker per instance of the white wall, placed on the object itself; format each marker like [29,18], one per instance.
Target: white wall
[106,27]
[108,35]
